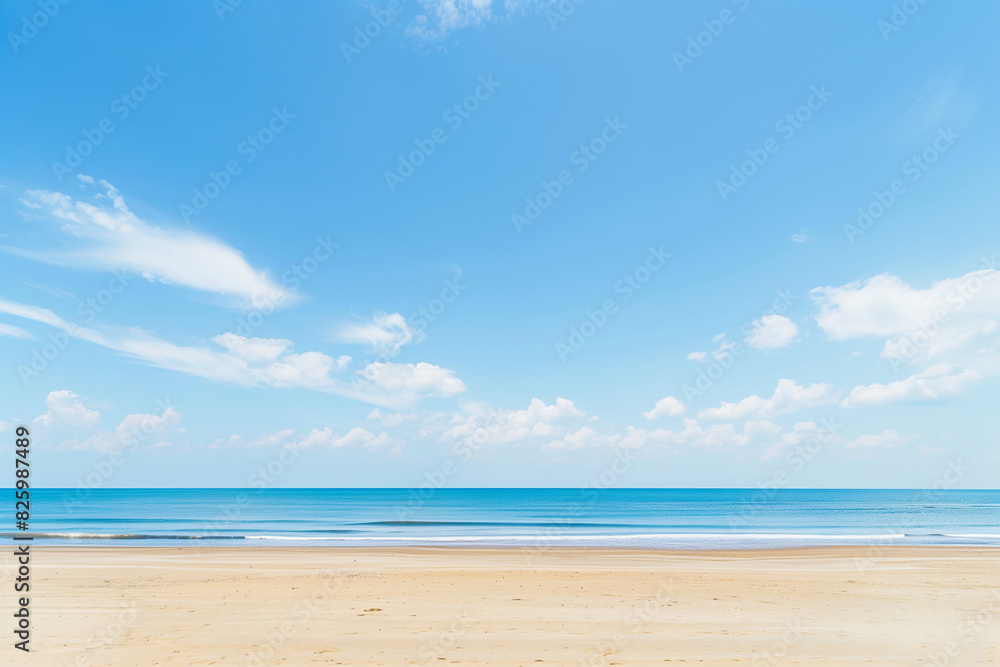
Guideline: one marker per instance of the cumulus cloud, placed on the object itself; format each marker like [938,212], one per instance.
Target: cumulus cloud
[309,369]
[788,397]
[692,434]
[111,237]
[392,418]
[412,380]
[536,423]
[772,331]
[800,432]
[883,440]
[917,324]
[936,382]
[133,430]
[66,410]
[665,407]
[584,437]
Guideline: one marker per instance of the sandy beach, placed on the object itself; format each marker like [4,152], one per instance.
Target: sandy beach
[303,606]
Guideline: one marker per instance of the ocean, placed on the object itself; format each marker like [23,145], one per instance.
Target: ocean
[629,518]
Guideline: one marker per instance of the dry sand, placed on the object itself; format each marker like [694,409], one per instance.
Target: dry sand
[304,606]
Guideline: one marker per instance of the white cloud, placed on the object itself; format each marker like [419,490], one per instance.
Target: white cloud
[665,407]
[253,349]
[721,434]
[800,432]
[309,369]
[134,430]
[720,352]
[536,423]
[391,419]
[761,428]
[440,17]
[412,380]
[387,333]
[584,437]
[12,331]
[66,410]
[936,382]
[640,437]
[114,238]
[267,440]
[358,436]
[383,384]
[318,438]
[917,324]
[717,435]
[772,331]
[799,238]
[888,438]
[788,397]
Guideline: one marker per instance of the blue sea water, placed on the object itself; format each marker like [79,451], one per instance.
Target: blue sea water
[633,518]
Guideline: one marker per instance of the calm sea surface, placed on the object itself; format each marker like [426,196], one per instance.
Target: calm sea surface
[648,518]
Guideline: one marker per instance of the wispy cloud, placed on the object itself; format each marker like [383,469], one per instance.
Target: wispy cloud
[386,333]
[788,397]
[12,331]
[114,238]
[261,362]
[936,382]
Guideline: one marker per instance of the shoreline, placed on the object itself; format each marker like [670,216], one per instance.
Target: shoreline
[191,545]
[297,605]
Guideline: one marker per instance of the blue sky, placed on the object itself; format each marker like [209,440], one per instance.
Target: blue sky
[727,244]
